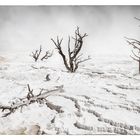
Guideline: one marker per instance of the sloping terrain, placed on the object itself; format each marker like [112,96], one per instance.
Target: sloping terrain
[102,97]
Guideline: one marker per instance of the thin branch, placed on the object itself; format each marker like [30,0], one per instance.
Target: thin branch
[36,54]
[136,18]
[133,44]
[81,61]
[134,58]
[132,39]
[47,55]
[135,54]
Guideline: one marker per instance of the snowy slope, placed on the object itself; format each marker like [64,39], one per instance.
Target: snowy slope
[102,97]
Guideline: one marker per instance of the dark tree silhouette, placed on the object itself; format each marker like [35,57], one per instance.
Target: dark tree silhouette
[35,55]
[74,59]
[136,50]
[135,44]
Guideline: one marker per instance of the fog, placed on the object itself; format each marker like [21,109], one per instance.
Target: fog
[24,28]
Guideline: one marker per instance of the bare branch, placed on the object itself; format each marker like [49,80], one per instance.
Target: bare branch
[134,58]
[47,55]
[133,42]
[36,54]
[135,55]
[84,60]
[136,45]
[136,18]
[54,42]
[80,61]
[40,98]
[78,43]
[131,39]
[58,46]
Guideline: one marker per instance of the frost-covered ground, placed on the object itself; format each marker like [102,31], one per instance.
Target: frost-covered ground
[102,97]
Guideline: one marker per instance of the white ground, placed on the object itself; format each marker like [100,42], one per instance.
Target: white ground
[102,97]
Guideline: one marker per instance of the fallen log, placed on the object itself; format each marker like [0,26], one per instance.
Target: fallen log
[32,98]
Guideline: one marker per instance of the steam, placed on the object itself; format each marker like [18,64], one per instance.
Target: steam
[23,28]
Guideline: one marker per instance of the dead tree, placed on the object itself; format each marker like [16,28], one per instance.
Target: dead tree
[72,62]
[32,98]
[47,55]
[136,50]
[36,54]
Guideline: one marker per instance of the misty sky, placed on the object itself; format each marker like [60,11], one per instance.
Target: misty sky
[24,28]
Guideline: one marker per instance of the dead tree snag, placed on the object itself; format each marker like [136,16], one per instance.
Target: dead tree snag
[136,50]
[74,59]
[36,54]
